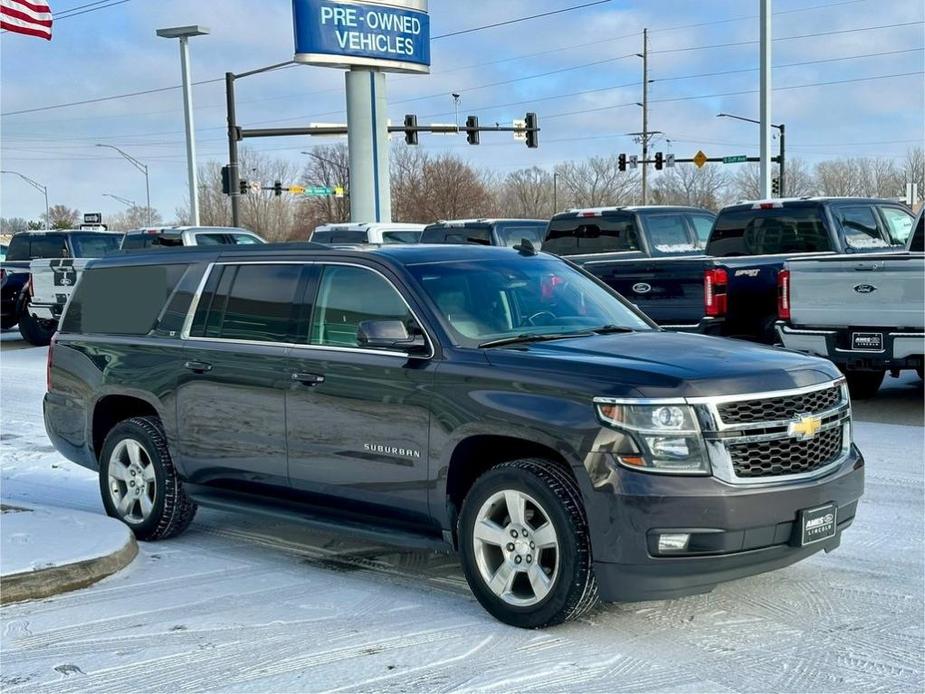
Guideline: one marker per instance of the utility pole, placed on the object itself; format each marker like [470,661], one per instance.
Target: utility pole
[645,113]
[765,100]
[39,187]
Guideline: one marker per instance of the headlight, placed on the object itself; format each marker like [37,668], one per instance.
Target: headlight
[663,437]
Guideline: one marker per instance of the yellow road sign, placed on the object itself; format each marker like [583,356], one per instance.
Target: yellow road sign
[700,159]
[297,189]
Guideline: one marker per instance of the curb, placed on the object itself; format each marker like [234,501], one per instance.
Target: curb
[33,585]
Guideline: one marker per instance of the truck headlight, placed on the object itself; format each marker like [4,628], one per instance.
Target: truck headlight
[666,436]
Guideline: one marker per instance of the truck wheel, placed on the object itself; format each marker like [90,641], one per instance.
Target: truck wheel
[138,481]
[524,545]
[864,384]
[919,372]
[36,331]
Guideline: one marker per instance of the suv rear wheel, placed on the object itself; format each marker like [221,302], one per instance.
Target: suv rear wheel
[864,384]
[138,482]
[524,545]
[36,331]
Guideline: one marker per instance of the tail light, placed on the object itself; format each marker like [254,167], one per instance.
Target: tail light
[49,361]
[783,295]
[715,283]
[29,289]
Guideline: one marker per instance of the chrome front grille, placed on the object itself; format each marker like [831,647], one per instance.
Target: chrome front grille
[777,409]
[776,437]
[787,456]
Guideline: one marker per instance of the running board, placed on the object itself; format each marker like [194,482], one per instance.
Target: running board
[312,517]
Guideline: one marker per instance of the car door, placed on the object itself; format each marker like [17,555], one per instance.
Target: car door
[231,394]
[357,419]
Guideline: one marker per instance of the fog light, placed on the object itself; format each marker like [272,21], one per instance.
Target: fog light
[675,542]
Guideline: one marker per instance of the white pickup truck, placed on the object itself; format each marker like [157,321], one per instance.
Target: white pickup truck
[866,313]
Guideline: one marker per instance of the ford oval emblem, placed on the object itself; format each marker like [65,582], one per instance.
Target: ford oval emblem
[642,288]
[865,288]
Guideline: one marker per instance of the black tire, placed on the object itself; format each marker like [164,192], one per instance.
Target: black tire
[574,588]
[864,384]
[172,509]
[37,331]
[919,372]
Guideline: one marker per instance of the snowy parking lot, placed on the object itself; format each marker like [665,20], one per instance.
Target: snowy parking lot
[244,604]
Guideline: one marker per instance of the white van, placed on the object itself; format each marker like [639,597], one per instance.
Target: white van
[368,232]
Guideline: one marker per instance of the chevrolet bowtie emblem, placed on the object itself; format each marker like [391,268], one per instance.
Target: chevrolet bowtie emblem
[805,427]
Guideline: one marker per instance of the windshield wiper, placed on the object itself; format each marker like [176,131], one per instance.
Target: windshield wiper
[532,337]
[610,329]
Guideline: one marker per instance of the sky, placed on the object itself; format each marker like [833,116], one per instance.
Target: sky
[578,70]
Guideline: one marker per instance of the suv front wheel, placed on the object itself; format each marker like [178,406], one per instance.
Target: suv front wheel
[138,481]
[524,545]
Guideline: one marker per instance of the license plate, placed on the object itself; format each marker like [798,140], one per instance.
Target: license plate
[867,342]
[818,524]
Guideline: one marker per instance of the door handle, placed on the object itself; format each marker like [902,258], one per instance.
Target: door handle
[310,380]
[199,367]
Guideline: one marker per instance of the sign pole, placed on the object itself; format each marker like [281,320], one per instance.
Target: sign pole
[765,100]
[368,145]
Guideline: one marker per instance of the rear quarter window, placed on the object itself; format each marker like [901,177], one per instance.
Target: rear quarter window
[457,235]
[121,300]
[770,231]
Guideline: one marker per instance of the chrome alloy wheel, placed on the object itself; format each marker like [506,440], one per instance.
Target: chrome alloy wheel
[132,485]
[516,548]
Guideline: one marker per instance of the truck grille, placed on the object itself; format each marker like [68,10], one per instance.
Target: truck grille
[786,456]
[781,408]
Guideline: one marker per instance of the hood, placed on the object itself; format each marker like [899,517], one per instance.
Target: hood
[667,364]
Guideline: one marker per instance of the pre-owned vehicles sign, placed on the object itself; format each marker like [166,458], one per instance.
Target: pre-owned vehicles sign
[393,37]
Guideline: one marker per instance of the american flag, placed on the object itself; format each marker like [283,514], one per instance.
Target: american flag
[24,17]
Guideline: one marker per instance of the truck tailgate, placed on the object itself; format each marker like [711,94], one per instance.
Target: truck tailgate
[53,280]
[668,290]
[858,291]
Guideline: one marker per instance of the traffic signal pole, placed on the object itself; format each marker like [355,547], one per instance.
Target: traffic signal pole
[780,162]
[645,114]
[233,136]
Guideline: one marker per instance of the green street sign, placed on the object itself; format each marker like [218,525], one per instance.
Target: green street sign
[735,159]
[318,190]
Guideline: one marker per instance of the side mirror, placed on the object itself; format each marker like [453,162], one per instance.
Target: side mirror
[392,335]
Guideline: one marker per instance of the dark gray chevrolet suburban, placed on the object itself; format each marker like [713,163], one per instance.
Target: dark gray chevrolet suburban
[498,401]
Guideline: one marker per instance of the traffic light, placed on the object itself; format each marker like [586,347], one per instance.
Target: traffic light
[472,130]
[411,131]
[277,188]
[659,161]
[775,186]
[226,180]
[244,185]
[621,162]
[532,131]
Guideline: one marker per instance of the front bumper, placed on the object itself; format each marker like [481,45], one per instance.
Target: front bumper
[736,530]
[901,350]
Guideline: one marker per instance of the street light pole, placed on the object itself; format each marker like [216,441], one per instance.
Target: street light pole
[38,186]
[765,97]
[124,201]
[780,151]
[184,33]
[555,192]
[144,169]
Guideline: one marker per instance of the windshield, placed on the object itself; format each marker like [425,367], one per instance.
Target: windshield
[511,234]
[94,245]
[536,295]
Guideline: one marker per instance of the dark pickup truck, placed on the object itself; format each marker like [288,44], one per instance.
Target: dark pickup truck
[485,232]
[499,402]
[751,243]
[27,246]
[652,255]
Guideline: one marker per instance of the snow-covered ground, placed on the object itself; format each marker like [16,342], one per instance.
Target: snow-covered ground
[243,604]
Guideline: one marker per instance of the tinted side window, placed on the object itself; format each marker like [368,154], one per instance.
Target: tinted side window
[860,226]
[917,242]
[513,234]
[389,237]
[136,241]
[253,302]
[244,239]
[121,300]
[94,245]
[321,237]
[775,230]
[19,247]
[211,239]
[591,235]
[461,234]
[347,236]
[346,297]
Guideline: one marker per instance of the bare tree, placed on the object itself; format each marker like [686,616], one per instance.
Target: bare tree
[685,184]
[913,169]
[62,217]
[426,187]
[860,176]
[799,181]
[527,193]
[13,225]
[135,217]
[328,166]
[596,182]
